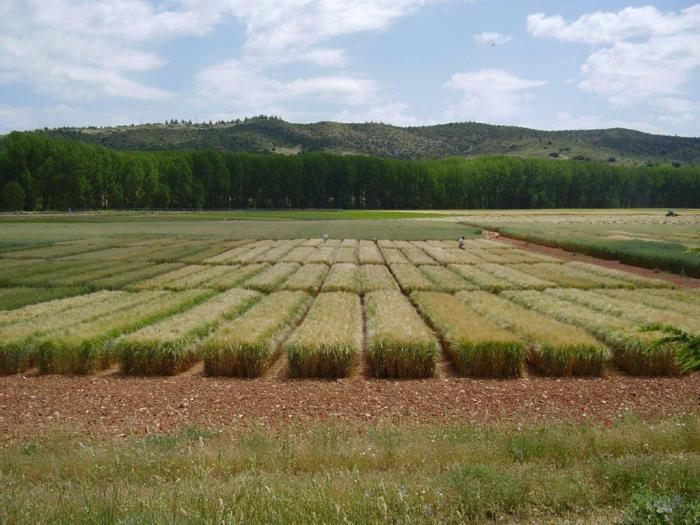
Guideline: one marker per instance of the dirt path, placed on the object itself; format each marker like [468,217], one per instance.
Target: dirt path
[115,405]
[678,280]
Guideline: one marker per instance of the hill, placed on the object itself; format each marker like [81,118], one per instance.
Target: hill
[470,139]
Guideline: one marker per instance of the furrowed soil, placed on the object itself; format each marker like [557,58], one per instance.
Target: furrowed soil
[114,405]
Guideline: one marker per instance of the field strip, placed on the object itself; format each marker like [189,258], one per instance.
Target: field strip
[322,254]
[634,312]
[125,278]
[679,304]
[441,255]
[369,253]
[16,350]
[298,254]
[309,278]
[17,297]
[478,347]
[272,277]
[276,253]
[565,275]
[247,345]
[559,349]
[399,343]
[346,254]
[410,278]
[394,256]
[200,275]
[517,278]
[32,312]
[376,277]
[168,346]
[164,279]
[631,350]
[329,340]
[632,278]
[342,277]
[234,276]
[85,347]
[446,280]
[87,278]
[417,256]
[480,278]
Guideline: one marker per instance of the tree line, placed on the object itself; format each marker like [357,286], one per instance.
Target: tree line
[39,172]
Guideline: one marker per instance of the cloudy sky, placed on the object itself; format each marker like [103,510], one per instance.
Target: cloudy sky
[544,64]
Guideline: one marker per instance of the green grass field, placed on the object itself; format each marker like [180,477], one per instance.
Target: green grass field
[626,471]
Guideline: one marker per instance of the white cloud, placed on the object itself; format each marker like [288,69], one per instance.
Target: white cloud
[489,94]
[84,49]
[239,84]
[677,119]
[641,56]
[492,39]
[607,28]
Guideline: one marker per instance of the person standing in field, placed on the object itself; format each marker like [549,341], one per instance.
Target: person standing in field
[461,243]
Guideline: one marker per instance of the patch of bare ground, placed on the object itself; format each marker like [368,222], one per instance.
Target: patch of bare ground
[113,404]
[678,280]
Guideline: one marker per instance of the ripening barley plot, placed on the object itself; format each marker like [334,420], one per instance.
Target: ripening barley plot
[277,253]
[463,256]
[516,278]
[125,278]
[631,347]
[16,351]
[312,242]
[410,278]
[85,347]
[298,254]
[234,276]
[46,273]
[386,243]
[558,349]
[323,254]
[653,299]
[231,256]
[59,249]
[491,256]
[636,280]
[481,279]
[198,277]
[417,256]
[346,254]
[309,278]
[163,279]
[332,243]
[212,249]
[369,253]
[478,347]
[441,255]
[394,256]
[169,346]
[272,277]
[691,296]
[376,277]
[87,278]
[567,276]
[446,280]
[116,253]
[635,312]
[342,277]
[247,345]
[399,343]
[329,340]
[17,297]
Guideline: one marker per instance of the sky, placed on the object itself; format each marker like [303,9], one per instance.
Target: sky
[537,63]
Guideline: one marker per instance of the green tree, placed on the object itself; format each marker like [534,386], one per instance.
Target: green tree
[13,196]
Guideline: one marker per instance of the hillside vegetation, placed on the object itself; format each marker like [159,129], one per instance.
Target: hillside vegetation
[268,135]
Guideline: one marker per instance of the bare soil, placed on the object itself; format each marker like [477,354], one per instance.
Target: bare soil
[678,280]
[115,405]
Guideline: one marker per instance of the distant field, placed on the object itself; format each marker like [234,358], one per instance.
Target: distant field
[638,237]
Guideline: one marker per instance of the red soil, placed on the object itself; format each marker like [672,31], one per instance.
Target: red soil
[111,404]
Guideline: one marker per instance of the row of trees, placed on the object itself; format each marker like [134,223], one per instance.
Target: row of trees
[38,172]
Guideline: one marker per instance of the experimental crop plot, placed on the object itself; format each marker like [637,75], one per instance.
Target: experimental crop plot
[342,277]
[376,277]
[309,278]
[272,277]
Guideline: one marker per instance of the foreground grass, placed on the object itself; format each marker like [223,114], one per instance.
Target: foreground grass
[334,474]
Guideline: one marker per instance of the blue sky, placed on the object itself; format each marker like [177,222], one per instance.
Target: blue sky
[543,64]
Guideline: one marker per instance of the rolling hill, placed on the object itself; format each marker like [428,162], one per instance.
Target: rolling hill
[273,135]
